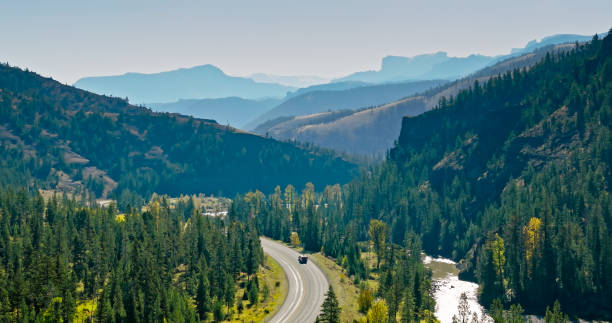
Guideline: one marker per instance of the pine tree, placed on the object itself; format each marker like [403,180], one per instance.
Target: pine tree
[218,313]
[555,316]
[497,311]
[330,310]
[253,291]
[105,309]
[202,296]
[515,315]
[408,309]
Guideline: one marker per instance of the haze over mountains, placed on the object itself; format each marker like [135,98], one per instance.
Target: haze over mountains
[433,163]
[441,66]
[269,103]
[289,80]
[199,82]
[60,137]
[233,111]
[351,98]
[372,131]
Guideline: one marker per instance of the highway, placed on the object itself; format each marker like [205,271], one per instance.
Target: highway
[307,285]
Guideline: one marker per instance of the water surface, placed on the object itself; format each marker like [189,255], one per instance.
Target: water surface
[448,288]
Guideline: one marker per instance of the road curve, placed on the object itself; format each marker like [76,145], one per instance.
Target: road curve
[307,285]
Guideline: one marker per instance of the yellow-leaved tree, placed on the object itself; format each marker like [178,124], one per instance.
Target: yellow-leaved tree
[294,239]
[532,238]
[378,313]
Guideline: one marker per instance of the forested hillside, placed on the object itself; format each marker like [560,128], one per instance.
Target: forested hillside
[60,262]
[513,175]
[60,137]
[320,221]
[353,98]
[373,131]
[510,176]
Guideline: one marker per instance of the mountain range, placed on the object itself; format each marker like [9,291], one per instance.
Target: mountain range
[441,66]
[372,131]
[199,82]
[317,101]
[298,81]
[232,111]
[255,103]
[64,138]
[511,178]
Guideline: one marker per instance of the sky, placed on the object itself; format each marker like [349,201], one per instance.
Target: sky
[69,39]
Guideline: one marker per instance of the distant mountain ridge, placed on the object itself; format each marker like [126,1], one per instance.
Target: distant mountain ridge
[207,92]
[373,131]
[298,81]
[351,98]
[441,66]
[334,86]
[421,67]
[199,82]
[59,137]
[233,111]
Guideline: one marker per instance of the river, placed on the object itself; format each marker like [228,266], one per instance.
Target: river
[448,288]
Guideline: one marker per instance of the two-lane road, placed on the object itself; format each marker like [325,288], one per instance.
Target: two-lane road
[307,285]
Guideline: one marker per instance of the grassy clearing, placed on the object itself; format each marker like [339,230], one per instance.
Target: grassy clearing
[345,290]
[272,275]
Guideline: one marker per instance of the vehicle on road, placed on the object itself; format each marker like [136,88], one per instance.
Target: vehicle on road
[302,259]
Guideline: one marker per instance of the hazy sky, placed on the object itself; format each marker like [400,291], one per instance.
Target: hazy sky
[76,38]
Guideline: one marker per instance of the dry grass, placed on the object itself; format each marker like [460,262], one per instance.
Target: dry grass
[345,290]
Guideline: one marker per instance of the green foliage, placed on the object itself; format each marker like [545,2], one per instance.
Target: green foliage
[46,124]
[555,316]
[511,175]
[218,313]
[330,310]
[147,268]
[378,313]
[377,232]
[365,299]
[203,300]
[408,308]
[401,273]
[515,313]
[497,311]
[253,291]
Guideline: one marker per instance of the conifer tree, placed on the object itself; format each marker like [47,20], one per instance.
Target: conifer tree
[555,316]
[202,296]
[330,310]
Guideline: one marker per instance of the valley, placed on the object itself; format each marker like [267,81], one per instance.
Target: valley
[300,162]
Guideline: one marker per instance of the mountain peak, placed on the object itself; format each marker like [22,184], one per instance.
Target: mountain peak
[204,68]
[197,82]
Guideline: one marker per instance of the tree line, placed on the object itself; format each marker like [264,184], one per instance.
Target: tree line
[54,135]
[511,176]
[319,222]
[163,264]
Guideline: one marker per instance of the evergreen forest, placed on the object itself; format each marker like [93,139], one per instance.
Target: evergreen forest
[511,178]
